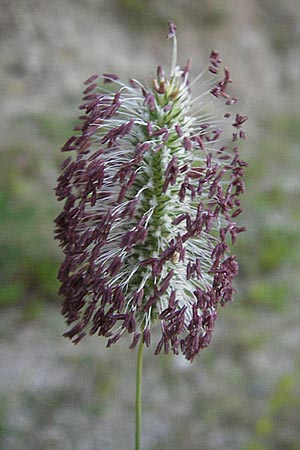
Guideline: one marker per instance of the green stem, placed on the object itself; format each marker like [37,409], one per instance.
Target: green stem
[138,396]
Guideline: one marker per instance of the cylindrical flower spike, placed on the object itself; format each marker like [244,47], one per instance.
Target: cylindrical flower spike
[151,195]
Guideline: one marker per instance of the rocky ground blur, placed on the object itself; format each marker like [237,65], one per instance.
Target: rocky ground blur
[243,393]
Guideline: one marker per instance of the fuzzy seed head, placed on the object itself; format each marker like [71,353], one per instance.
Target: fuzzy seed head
[151,195]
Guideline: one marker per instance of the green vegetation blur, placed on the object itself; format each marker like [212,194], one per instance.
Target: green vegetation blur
[29,255]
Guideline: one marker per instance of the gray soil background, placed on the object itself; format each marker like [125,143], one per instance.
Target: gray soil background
[54,396]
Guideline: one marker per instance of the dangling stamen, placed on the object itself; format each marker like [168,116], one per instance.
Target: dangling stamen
[172,34]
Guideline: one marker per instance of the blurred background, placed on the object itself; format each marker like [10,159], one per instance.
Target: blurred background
[243,392]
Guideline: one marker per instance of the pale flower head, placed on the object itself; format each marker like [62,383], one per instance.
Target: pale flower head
[151,196]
